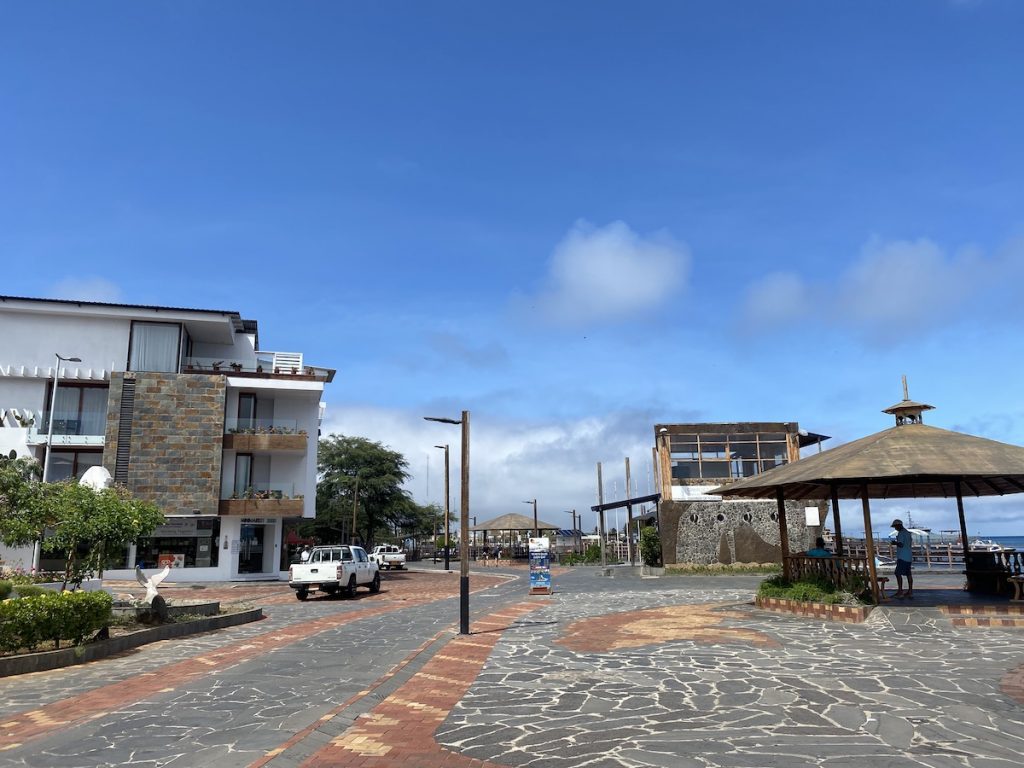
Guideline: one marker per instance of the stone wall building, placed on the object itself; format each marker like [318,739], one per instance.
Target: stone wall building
[183,408]
[697,527]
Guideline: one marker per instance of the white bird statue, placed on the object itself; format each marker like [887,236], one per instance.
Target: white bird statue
[151,582]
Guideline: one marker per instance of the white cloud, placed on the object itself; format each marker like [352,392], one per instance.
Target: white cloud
[892,290]
[610,273]
[904,285]
[776,300]
[512,462]
[86,289]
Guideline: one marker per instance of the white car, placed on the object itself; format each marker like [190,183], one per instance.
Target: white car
[388,556]
[332,570]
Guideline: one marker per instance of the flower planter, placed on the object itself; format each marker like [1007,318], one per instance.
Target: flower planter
[853,614]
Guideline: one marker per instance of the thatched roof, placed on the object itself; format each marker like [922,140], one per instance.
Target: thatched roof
[911,460]
[513,522]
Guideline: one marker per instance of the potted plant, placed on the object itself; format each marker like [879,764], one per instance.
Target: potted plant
[236,367]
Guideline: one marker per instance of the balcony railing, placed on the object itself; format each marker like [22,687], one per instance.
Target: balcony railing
[244,426]
[265,363]
[280,491]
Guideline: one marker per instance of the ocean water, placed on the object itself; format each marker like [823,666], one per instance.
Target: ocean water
[1017,542]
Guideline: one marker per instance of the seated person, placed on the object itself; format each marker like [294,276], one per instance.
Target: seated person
[819,549]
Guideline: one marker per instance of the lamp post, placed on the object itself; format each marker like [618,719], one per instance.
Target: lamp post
[447,496]
[36,554]
[575,538]
[464,522]
[535,531]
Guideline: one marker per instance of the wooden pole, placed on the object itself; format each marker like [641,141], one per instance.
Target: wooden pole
[780,500]
[835,519]
[963,531]
[869,541]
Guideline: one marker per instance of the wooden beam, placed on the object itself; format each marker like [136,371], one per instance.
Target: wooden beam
[963,530]
[780,500]
[837,524]
[869,542]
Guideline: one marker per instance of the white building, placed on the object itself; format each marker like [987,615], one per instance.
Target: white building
[181,406]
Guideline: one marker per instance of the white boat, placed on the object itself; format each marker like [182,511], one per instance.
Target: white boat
[987,545]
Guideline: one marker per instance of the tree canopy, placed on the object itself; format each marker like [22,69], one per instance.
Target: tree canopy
[385,510]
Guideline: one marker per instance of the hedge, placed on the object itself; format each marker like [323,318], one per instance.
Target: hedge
[29,621]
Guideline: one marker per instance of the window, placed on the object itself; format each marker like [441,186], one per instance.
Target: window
[243,474]
[154,347]
[80,410]
[67,464]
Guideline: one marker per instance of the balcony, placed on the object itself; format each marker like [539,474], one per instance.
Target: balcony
[264,436]
[264,500]
[72,428]
[265,364]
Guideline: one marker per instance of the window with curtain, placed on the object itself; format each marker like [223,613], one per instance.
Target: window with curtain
[154,347]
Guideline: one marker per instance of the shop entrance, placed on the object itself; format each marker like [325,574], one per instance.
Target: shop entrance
[250,551]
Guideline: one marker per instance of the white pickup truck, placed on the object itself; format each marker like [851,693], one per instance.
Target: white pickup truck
[332,570]
[388,556]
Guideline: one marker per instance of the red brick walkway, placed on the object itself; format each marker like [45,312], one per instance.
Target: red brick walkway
[1012,684]
[400,730]
[60,715]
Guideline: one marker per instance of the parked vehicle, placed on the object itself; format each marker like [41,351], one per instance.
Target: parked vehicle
[333,570]
[388,556]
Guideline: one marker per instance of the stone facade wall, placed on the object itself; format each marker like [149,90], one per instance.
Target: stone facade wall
[177,439]
[730,531]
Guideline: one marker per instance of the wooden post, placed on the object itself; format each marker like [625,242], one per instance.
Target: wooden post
[780,499]
[835,519]
[963,531]
[869,541]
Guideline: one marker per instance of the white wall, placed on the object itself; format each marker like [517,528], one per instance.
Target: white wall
[33,338]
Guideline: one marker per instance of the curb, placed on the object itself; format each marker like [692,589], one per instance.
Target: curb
[66,657]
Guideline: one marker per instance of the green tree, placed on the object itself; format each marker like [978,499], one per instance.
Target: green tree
[384,509]
[20,520]
[87,526]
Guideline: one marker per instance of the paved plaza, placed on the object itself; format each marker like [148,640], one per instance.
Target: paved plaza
[617,671]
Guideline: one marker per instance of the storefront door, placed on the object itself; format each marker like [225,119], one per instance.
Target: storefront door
[250,551]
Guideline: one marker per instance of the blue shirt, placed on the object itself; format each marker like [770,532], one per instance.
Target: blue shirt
[903,541]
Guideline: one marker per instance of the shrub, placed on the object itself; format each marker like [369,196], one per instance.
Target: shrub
[31,590]
[56,616]
[650,546]
[809,590]
[5,589]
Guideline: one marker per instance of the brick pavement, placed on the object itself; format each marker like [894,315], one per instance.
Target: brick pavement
[400,730]
[25,726]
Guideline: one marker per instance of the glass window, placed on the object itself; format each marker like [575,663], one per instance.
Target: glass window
[743,450]
[154,347]
[685,470]
[712,438]
[716,469]
[67,464]
[772,437]
[712,450]
[774,452]
[191,542]
[243,474]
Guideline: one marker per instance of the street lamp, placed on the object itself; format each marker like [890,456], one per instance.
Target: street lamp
[464,522]
[36,551]
[575,530]
[535,531]
[447,496]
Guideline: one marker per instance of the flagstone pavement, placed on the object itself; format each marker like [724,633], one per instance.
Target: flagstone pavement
[616,671]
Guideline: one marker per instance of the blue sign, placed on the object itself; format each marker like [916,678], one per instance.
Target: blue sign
[540,566]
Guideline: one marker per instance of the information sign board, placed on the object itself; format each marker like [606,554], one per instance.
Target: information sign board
[540,566]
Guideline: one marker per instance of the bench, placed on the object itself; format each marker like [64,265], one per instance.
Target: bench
[1018,585]
[881,581]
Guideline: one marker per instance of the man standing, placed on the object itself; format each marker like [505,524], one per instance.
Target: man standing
[904,560]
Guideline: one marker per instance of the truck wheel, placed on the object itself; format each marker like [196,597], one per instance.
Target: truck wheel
[351,590]
[302,594]
[375,584]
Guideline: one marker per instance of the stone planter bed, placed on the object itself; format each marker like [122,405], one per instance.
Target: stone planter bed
[66,657]
[853,614]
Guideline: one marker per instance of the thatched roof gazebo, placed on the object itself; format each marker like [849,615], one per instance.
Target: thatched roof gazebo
[513,522]
[910,460]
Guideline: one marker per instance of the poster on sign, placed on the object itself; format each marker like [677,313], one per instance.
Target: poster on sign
[540,566]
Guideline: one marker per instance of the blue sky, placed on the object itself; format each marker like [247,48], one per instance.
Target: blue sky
[575,219]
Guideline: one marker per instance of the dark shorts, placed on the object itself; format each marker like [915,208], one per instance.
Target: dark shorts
[902,567]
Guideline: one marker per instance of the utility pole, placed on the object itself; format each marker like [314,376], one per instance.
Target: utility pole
[629,517]
[600,516]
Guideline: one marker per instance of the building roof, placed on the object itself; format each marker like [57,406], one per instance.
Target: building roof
[911,460]
[513,522]
[805,438]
